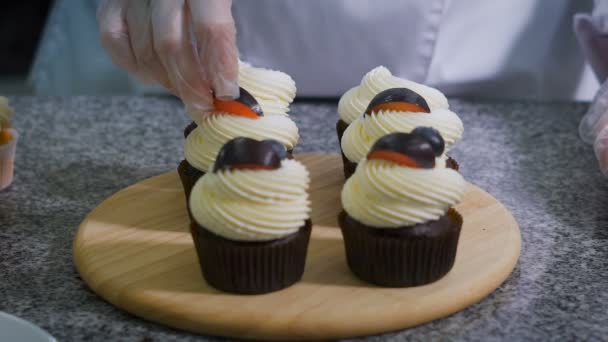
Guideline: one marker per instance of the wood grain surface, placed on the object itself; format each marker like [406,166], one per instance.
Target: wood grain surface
[135,251]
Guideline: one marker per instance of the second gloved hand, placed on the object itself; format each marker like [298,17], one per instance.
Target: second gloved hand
[188,46]
[592,34]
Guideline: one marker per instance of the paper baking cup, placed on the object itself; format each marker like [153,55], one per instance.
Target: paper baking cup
[401,257]
[7,160]
[451,163]
[341,126]
[251,267]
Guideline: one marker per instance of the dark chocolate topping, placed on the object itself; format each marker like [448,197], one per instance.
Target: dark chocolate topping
[245,105]
[411,146]
[433,137]
[398,95]
[247,153]
[279,148]
[248,100]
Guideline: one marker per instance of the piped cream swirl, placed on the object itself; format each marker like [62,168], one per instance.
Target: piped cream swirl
[6,113]
[215,129]
[253,205]
[274,90]
[363,132]
[383,194]
[354,102]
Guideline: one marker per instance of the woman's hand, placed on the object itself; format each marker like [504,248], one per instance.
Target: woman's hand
[188,46]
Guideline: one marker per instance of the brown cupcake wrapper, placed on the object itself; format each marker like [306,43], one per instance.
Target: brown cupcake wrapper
[188,174]
[401,257]
[251,267]
[341,126]
[188,129]
[347,165]
[451,163]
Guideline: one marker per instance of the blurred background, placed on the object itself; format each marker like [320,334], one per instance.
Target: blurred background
[52,47]
[21,27]
[528,49]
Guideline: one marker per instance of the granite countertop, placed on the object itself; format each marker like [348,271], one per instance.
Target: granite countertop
[74,152]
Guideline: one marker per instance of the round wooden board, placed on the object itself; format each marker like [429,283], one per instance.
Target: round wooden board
[135,251]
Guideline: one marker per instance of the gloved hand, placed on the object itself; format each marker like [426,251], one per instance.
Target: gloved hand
[592,34]
[593,128]
[188,46]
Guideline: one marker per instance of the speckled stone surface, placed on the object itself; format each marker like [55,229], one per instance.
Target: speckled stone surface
[74,152]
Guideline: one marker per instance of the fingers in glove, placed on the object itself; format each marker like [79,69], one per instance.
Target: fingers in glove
[114,34]
[601,150]
[139,23]
[594,42]
[178,55]
[216,39]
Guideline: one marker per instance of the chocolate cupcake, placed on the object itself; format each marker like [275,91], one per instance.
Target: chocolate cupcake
[396,110]
[242,117]
[251,223]
[398,223]
[354,102]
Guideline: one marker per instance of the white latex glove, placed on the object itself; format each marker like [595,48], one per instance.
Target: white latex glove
[593,128]
[592,34]
[188,46]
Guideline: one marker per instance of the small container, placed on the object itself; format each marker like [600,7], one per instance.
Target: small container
[251,267]
[7,160]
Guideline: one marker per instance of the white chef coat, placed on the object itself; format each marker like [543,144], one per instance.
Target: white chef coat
[492,49]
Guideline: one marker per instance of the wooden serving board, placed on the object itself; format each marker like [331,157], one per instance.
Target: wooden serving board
[135,251]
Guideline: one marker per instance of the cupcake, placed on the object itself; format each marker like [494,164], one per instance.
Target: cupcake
[398,222]
[397,110]
[356,100]
[8,144]
[274,90]
[242,117]
[251,223]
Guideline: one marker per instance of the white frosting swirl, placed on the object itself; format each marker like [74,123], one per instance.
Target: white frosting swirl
[253,205]
[273,89]
[6,112]
[363,132]
[354,102]
[383,194]
[215,129]
[441,161]
[274,107]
